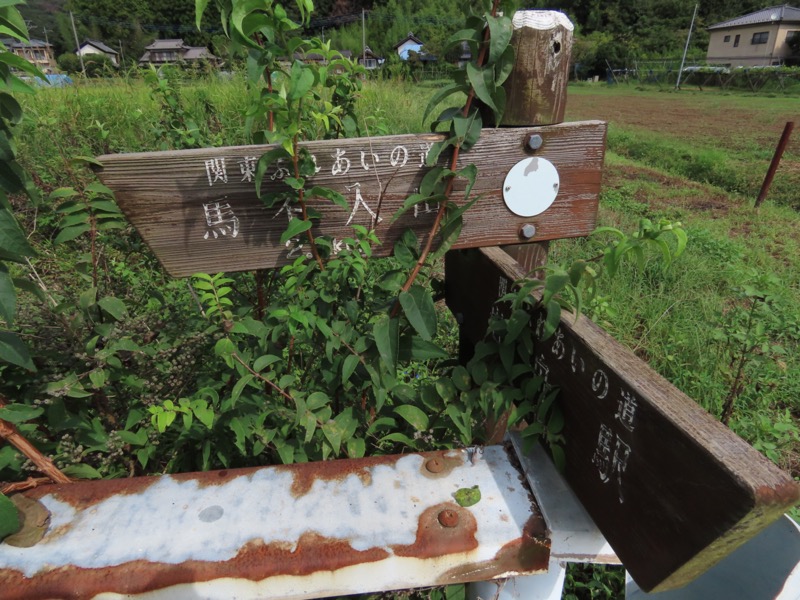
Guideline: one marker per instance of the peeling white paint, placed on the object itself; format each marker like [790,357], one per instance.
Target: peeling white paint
[541,19]
[174,521]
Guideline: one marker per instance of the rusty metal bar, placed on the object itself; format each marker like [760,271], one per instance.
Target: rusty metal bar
[573,535]
[297,531]
[776,160]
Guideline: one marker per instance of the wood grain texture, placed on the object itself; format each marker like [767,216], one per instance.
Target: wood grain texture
[671,488]
[171,197]
[537,87]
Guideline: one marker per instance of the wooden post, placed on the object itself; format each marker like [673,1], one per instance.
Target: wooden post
[536,93]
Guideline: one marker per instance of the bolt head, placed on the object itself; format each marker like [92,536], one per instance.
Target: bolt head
[448,518]
[534,141]
[434,465]
[527,231]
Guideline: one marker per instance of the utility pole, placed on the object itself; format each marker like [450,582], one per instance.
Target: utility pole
[686,48]
[47,48]
[77,44]
[121,54]
[363,39]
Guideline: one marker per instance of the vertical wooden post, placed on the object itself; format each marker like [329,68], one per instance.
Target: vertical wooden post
[536,92]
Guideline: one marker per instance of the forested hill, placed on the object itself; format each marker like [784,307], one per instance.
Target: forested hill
[616,30]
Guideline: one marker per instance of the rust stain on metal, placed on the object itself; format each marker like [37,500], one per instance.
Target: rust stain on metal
[440,464]
[83,495]
[256,561]
[433,539]
[527,554]
[306,474]
[434,465]
[448,518]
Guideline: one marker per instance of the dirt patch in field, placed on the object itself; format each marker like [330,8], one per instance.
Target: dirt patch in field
[658,190]
[687,117]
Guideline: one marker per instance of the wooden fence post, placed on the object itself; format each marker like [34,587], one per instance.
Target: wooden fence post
[536,94]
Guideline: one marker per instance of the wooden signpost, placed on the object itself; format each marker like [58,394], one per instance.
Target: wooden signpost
[198,210]
[671,489]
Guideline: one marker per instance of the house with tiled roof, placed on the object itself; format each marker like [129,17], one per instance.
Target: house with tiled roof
[89,47]
[162,52]
[410,43]
[760,38]
[37,52]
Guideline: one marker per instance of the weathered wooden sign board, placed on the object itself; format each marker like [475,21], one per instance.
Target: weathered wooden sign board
[671,488]
[198,210]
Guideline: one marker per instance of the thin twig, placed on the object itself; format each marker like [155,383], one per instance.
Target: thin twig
[258,375]
[10,433]
[449,189]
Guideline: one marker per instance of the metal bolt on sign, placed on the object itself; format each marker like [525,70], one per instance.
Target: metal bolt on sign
[527,231]
[534,141]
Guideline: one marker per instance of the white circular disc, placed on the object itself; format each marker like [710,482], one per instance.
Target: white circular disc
[530,187]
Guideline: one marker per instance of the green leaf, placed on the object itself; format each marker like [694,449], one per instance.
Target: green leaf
[8,297]
[82,471]
[333,433]
[295,228]
[387,338]
[420,311]
[114,307]
[425,350]
[483,84]
[239,387]
[500,30]
[264,162]
[413,415]
[99,188]
[13,245]
[317,400]
[349,365]
[10,521]
[199,9]
[240,434]
[136,439]
[467,496]
[553,319]
[70,233]
[12,20]
[10,109]
[264,361]
[329,194]
[461,378]
[301,80]
[443,93]
[19,413]
[13,351]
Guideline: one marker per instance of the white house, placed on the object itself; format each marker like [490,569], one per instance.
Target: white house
[755,39]
[89,47]
[410,43]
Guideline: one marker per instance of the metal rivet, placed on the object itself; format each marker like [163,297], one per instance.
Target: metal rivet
[448,518]
[527,231]
[534,141]
[434,465]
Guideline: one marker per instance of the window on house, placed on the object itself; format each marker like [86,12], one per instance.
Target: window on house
[736,41]
[727,39]
[760,38]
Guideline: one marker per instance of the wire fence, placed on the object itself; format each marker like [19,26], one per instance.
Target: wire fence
[664,73]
